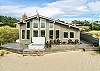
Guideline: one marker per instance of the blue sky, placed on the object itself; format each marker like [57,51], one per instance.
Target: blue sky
[57,9]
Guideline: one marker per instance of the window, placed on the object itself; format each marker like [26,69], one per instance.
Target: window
[35,25]
[42,25]
[35,33]
[28,24]
[57,34]
[71,34]
[51,25]
[51,34]
[28,34]
[23,34]
[65,34]
[42,33]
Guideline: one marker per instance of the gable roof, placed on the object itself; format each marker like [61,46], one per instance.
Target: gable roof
[50,19]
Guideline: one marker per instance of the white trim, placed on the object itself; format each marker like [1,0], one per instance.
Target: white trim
[21,34]
[68,34]
[40,33]
[29,36]
[35,21]
[55,33]
[35,30]
[49,25]
[74,34]
[26,24]
[44,21]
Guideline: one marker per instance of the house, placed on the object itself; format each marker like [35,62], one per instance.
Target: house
[41,26]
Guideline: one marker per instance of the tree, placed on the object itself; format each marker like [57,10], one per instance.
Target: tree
[8,34]
[10,21]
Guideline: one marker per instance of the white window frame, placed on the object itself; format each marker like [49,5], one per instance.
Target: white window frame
[35,30]
[43,30]
[74,34]
[34,21]
[26,34]
[21,34]
[44,21]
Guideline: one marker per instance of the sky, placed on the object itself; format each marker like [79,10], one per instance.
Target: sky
[57,9]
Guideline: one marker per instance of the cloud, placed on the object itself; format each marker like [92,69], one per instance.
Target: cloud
[57,9]
[94,6]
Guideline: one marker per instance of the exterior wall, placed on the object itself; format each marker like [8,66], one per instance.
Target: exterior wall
[56,26]
[63,29]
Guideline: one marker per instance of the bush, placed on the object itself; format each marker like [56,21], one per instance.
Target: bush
[3,52]
[8,35]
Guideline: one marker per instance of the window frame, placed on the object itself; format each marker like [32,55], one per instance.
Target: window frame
[73,35]
[28,37]
[64,34]
[22,34]
[34,24]
[52,25]
[28,23]
[37,33]
[42,24]
[52,34]
[58,33]
[41,33]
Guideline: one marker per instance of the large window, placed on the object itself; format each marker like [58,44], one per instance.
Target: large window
[42,33]
[65,34]
[23,34]
[35,25]
[43,25]
[35,33]
[57,34]
[51,25]
[51,34]
[28,24]
[71,34]
[28,34]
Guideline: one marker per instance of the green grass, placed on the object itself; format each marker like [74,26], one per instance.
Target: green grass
[95,33]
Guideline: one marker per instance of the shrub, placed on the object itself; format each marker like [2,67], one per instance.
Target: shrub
[3,52]
[8,35]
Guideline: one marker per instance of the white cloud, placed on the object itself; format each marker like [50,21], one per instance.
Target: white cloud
[94,6]
[59,8]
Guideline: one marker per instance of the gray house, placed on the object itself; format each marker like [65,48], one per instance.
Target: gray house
[41,26]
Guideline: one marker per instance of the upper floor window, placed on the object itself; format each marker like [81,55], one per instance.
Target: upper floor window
[51,25]
[43,21]
[35,25]
[71,34]
[28,24]
[65,34]
[43,25]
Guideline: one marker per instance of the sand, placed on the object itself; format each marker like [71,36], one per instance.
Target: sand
[61,61]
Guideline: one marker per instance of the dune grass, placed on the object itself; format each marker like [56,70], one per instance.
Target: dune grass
[95,33]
